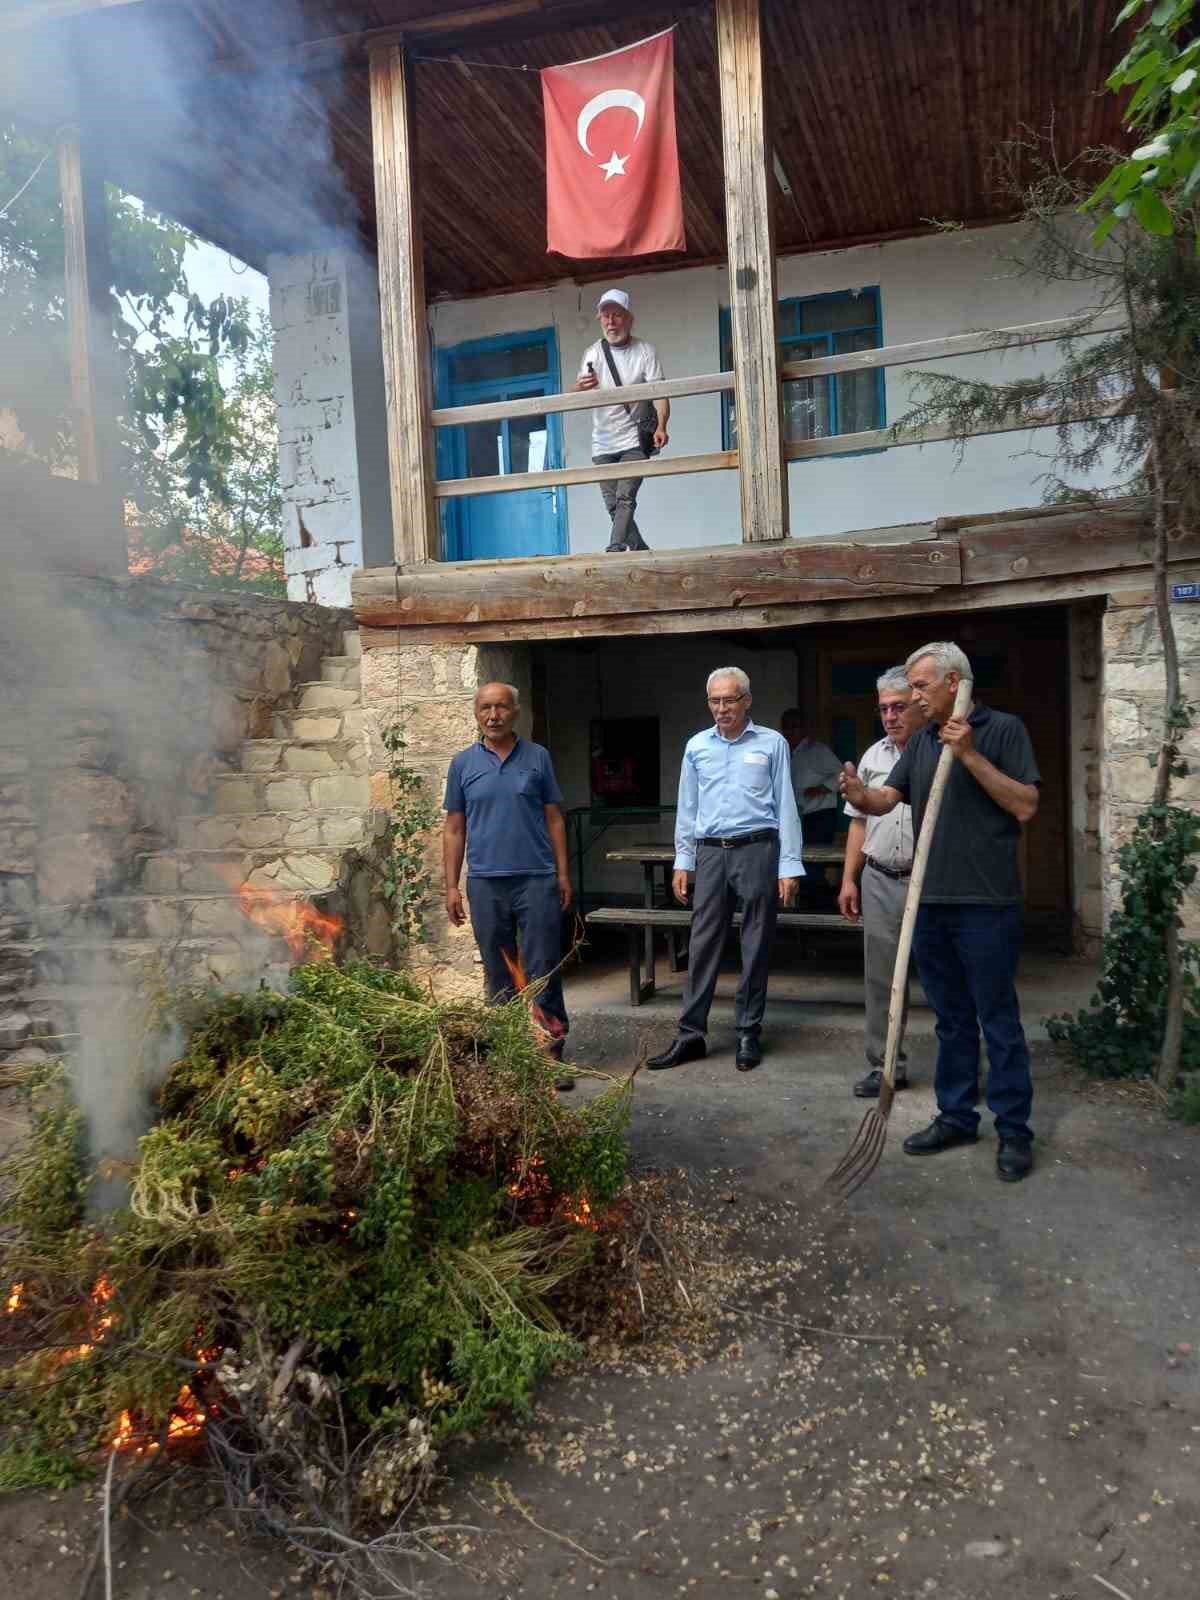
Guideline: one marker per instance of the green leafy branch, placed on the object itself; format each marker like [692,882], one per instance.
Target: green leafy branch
[406,877]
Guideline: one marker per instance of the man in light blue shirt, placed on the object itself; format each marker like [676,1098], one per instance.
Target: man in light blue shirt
[737,829]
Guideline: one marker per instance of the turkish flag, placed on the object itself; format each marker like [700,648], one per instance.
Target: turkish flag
[612,162]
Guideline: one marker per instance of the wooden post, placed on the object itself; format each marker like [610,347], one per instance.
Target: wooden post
[80,304]
[750,228]
[406,363]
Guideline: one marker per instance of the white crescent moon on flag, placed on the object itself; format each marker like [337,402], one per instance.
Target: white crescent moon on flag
[629,99]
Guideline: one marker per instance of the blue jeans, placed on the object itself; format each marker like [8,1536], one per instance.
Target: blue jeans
[520,912]
[966,956]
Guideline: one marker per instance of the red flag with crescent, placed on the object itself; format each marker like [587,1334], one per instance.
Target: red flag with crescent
[612,161]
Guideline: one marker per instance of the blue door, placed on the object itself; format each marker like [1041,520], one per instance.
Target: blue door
[527,522]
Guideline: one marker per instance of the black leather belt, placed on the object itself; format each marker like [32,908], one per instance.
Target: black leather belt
[740,839]
[889,872]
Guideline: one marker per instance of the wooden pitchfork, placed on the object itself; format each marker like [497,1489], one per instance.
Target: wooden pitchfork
[861,1159]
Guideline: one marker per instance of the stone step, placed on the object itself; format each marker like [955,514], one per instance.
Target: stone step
[92,966]
[224,871]
[303,755]
[320,696]
[346,671]
[338,828]
[309,726]
[255,792]
[169,918]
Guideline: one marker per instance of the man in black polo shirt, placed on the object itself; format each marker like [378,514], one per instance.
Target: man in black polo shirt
[968,931]
[504,812]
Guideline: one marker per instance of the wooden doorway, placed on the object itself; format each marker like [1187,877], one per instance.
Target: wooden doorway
[1021,661]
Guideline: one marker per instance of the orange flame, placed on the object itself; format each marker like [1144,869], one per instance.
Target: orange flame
[16,1297]
[185,1421]
[310,934]
[550,1027]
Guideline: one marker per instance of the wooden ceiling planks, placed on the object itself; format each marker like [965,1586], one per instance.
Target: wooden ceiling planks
[885,115]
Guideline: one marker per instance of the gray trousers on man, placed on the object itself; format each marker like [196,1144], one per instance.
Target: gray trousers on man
[746,877]
[620,501]
[882,900]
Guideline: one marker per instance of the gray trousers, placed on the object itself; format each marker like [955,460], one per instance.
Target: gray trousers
[620,501]
[747,877]
[882,899]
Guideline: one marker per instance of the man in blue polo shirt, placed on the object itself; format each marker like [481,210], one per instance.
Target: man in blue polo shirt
[504,811]
[738,830]
[968,929]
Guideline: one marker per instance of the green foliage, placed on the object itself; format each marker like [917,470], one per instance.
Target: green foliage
[167,377]
[1186,1105]
[389,1181]
[207,507]
[406,872]
[1157,183]
[1119,1033]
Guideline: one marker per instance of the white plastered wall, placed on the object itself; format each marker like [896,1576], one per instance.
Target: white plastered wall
[929,288]
[329,390]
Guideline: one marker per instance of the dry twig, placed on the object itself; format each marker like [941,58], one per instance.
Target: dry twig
[807,1327]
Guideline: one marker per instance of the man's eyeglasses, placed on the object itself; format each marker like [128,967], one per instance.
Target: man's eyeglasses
[721,701]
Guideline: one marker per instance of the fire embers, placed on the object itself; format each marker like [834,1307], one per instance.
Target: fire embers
[310,934]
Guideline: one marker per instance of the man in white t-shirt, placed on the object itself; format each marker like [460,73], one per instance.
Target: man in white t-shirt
[615,430]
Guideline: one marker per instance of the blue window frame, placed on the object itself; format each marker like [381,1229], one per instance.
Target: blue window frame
[506,366]
[811,326]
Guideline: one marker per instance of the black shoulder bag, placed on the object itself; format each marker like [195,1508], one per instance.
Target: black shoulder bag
[643,415]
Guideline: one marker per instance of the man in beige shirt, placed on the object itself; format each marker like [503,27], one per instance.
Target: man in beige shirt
[879,851]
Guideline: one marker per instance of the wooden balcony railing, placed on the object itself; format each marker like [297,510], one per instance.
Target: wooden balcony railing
[898,355]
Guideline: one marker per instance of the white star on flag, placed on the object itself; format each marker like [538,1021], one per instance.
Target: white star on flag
[614,167]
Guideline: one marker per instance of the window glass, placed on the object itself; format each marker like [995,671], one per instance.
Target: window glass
[486,366]
[822,325]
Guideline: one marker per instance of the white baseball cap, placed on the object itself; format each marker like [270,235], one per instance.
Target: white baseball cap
[614,297]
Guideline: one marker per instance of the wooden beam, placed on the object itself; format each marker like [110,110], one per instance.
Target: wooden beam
[1094,540]
[727,576]
[538,404]
[749,223]
[80,296]
[955,344]
[406,363]
[848,444]
[564,477]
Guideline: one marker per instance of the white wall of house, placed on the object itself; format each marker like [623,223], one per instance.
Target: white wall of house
[329,391]
[929,287]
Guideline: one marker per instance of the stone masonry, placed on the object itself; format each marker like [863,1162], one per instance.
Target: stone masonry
[1133,709]
[431,688]
[160,747]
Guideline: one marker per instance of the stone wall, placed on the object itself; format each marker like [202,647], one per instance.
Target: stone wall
[1133,711]
[122,702]
[431,688]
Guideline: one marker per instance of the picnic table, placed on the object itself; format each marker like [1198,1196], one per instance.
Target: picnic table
[655,857]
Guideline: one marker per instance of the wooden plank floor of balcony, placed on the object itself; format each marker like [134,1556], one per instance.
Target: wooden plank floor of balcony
[1017,558]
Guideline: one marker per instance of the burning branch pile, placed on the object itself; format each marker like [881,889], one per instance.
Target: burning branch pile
[342,1237]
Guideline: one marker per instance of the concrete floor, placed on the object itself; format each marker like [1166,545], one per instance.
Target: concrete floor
[817,982]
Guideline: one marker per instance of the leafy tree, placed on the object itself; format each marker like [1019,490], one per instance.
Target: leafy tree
[169,382]
[1162,68]
[1124,398]
[228,537]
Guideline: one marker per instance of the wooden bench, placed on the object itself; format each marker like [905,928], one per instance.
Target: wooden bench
[638,920]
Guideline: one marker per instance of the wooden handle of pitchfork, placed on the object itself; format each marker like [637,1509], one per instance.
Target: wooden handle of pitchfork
[933,805]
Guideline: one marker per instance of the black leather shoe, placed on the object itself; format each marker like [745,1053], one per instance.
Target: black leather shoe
[615,549]
[868,1088]
[749,1052]
[1014,1160]
[939,1135]
[686,1048]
